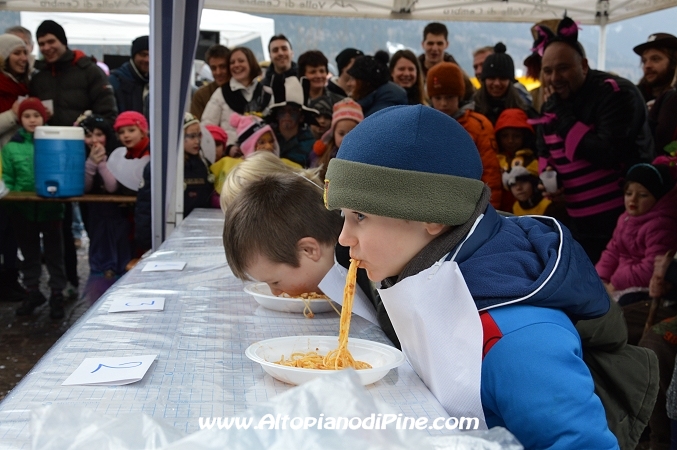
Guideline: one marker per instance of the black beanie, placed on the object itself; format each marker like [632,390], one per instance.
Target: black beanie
[51,27]
[370,69]
[498,65]
[343,58]
[654,177]
[139,44]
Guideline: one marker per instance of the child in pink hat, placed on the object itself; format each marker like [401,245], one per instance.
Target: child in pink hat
[346,115]
[253,135]
[132,130]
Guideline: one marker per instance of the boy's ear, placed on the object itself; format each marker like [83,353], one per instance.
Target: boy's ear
[435,229]
[309,247]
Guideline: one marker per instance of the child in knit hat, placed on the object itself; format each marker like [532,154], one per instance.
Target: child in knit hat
[132,130]
[645,230]
[513,133]
[31,219]
[198,181]
[253,134]
[346,115]
[446,88]
[482,304]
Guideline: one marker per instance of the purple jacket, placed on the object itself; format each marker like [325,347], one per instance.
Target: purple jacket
[629,257]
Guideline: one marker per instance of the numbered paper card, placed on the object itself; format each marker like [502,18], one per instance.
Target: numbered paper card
[162,266]
[112,371]
[122,304]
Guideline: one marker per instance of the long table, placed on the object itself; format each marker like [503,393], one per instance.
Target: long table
[87,198]
[200,339]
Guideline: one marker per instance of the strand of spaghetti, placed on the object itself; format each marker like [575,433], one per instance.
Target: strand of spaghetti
[339,358]
[342,355]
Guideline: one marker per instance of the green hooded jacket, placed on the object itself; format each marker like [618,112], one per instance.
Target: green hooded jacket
[18,173]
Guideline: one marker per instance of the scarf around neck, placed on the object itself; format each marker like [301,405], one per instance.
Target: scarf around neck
[442,244]
[140,150]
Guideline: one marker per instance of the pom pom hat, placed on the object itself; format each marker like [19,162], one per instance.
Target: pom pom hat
[249,130]
[407,162]
[498,65]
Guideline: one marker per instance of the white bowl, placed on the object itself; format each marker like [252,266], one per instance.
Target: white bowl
[265,298]
[381,357]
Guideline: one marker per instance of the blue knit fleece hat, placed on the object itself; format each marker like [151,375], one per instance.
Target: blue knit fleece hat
[407,162]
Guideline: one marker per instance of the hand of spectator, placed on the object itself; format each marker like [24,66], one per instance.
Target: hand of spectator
[609,289]
[15,109]
[658,286]
[234,151]
[557,196]
[98,153]
[547,92]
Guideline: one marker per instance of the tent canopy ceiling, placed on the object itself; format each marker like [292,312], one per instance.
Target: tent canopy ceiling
[584,11]
[235,28]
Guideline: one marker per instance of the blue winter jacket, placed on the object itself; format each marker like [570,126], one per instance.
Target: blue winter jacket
[384,96]
[533,279]
[128,86]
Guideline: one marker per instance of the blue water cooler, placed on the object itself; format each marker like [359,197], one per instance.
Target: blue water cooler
[59,161]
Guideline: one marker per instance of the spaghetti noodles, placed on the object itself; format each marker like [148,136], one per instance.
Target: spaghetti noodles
[339,358]
[306,298]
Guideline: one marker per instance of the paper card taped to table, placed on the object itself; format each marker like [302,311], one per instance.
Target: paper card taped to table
[125,304]
[110,371]
[164,266]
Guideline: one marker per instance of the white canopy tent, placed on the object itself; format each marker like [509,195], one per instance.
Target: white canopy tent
[584,11]
[235,28]
[173,39]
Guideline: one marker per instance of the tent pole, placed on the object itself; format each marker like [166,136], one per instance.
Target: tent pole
[601,48]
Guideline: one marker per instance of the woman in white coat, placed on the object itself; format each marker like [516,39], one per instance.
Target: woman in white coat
[243,94]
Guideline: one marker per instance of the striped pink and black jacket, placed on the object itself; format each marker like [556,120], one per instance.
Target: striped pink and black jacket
[592,138]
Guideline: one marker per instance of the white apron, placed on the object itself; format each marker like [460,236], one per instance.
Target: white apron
[441,335]
[128,172]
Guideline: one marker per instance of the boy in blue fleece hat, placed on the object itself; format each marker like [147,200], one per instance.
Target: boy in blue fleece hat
[482,304]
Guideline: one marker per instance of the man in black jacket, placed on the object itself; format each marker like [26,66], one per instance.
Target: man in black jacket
[75,84]
[70,79]
[130,81]
[594,128]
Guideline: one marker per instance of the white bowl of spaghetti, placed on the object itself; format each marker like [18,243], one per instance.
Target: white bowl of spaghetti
[264,297]
[382,358]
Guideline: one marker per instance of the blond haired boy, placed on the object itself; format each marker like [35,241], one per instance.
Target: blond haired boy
[278,231]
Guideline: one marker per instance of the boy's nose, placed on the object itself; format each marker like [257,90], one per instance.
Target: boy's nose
[346,239]
[275,291]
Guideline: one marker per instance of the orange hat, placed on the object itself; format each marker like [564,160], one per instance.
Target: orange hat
[445,78]
[513,118]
